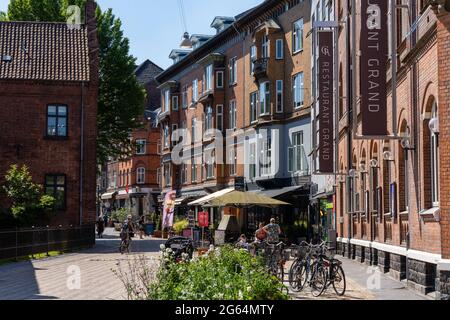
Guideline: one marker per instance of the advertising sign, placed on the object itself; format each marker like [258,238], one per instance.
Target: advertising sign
[393,200]
[374,57]
[326,102]
[169,209]
[203,219]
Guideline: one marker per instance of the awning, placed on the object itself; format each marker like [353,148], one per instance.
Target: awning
[179,201]
[274,193]
[239,199]
[204,200]
[323,195]
[108,195]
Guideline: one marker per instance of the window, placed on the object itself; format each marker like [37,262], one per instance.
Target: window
[219,79]
[166,100]
[265,46]
[114,179]
[232,114]
[194,130]
[175,136]
[219,117]
[254,106]
[279,49]
[297,156]
[184,97]
[298,36]
[264,97]
[233,70]
[167,174]
[55,186]
[166,135]
[252,161]
[57,121]
[175,103]
[266,154]
[208,118]
[279,96]
[195,91]
[158,176]
[232,160]
[183,173]
[140,176]
[208,77]
[193,171]
[298,90]
[141,146]
[210,168]
[253,58]
[434,161]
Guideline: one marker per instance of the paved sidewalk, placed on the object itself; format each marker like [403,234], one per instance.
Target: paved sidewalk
[49,278]
[365,283]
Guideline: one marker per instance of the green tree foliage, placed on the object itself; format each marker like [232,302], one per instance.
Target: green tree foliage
[28,202]
[121,97]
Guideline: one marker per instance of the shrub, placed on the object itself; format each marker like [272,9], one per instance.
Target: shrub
[180,226]
[222,274]
[120,215]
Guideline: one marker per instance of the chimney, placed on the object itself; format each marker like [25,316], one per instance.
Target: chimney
[91,28]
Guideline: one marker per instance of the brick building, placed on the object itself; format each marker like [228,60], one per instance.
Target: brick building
[392,201]
[133,183]
[246,80]
[48,98]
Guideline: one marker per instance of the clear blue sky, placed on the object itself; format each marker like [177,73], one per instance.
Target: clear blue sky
[154,27]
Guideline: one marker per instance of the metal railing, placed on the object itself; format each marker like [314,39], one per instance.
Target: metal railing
[16,243]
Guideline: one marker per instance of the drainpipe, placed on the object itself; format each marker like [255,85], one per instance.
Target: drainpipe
[81,154]
[350,99]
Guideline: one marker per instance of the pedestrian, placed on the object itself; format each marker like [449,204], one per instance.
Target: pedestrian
[242,243]
[261,233]
[141,227]
[105,219]
[100,227]
[273,232]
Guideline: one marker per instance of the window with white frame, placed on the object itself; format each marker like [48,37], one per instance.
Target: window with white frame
[233,70]
[298,90]
[279,96]
[167,174]
[264,98]
[208,77]
[195,90]
[140,176]
[279,49]
[166,100]
[265,46]
[209,118]
[232,114]
[194,170]
[266,154]
[194,130]
[175,135]
[158,176]
[219,117]
[297,157]
[183,173]
[166,135]
[252,161]
[232,161]
[434,160]
[175,103]
[141,146]
[210,167]
[253,58]
[219,79]
[298,36]
[254,106]
[184,97]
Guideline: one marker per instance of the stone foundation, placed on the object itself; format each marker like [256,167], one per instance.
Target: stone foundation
[444,285]
[384,261]
[360,253]
[397,268]
[422,276]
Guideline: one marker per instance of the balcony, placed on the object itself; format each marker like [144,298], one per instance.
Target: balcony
[260,68]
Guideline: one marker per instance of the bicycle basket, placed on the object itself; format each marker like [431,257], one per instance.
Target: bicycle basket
[301,252]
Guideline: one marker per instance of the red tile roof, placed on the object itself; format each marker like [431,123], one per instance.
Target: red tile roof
[44,51]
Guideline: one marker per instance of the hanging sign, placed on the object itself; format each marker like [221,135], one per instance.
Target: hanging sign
[374,57]
[203,219]
[326,102]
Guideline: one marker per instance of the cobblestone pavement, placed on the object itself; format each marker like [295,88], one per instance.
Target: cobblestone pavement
[48,278]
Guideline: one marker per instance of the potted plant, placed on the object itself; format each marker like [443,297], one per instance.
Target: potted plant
[179,226]
[118,217]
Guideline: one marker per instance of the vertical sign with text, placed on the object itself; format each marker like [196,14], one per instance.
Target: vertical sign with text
[326,102]
[374,57]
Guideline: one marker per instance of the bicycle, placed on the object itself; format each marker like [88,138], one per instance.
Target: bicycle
[275,259]
[125,244]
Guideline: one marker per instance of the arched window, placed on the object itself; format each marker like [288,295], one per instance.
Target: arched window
[402,175]
[386,177]
[434,146]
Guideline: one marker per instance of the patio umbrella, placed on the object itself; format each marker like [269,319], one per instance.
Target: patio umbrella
[240,199]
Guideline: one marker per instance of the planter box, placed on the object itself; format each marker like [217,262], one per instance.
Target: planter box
[157,234]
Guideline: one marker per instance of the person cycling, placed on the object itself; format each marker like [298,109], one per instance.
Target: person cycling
[127,234]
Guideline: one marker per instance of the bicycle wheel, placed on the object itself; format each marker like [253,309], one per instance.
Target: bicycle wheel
[280,272]
[339,282]
[122,247]
[293,274]
[318,281]
[301,277]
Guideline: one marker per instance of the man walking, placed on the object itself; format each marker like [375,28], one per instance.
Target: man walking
[273,231]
